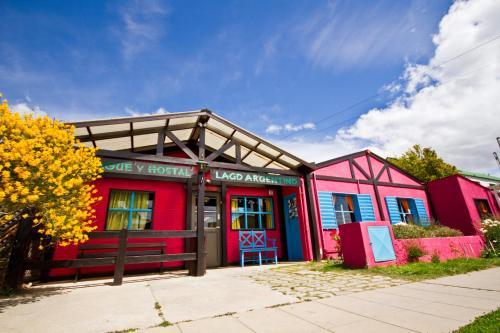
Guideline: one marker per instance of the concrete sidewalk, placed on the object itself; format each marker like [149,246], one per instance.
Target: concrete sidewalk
[229,300]
[440,305]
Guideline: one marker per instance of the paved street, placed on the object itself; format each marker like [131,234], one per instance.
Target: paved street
[243,300]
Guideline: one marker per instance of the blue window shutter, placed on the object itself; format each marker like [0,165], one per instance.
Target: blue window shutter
[393,209]
[364,208]
[423,218]
[327,210]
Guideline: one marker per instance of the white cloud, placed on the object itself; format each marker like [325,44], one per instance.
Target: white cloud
[341,35]
[276,129]
[142,26]
[23,108]
[452,108]
[135,113]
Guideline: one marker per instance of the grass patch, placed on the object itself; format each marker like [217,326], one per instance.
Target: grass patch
[224,314]
[125,331]
[489,323]
[165,323]
[422,270]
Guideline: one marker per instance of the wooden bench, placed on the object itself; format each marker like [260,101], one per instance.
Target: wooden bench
[138,250]
[255,241]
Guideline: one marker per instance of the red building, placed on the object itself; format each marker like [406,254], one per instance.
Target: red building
[364,187]
[159,169]
[461,203]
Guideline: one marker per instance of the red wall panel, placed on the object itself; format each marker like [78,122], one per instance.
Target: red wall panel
[168,214]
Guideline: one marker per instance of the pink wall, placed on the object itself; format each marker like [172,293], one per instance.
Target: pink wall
[232,250]
[453,200]
[358,253]
[329,246]
[168,214]
[391,191]
[342,169]
[356,248]
[446,247]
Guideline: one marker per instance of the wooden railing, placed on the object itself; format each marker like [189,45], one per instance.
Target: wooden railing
[122,257]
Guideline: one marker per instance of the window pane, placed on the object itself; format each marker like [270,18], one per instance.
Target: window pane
[267,221]
[143,200]
[348,217]
[348,204]
[120,199]
[117,220]
[340,218]
[267,205]
[337,202]
[238,221]
[237,204]
[141,220]
[210,217]
[253,221]
[252,205]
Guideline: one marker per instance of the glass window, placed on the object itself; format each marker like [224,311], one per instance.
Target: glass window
[252,213]
[131,210]
[344,208]
[405,211]
[483,208]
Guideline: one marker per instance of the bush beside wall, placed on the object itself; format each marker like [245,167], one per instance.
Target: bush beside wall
[411,231]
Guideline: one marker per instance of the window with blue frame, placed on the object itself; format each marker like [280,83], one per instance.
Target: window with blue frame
[132,210]
[341,208]
[405,210]
[251,213]
[344,208]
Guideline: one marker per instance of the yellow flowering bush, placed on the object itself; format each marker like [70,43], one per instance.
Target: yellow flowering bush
[45,173]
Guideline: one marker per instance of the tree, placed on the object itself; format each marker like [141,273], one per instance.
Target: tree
[424,164]
[45,174]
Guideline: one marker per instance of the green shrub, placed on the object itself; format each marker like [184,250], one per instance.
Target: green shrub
[435,258]
[414,252]
[410,231]
[442,231]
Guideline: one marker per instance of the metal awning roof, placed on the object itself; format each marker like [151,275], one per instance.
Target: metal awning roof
[136,134]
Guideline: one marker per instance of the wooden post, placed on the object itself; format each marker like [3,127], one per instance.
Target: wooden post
[189,244]
[312,218]
[47,255]
[200,226]
[120,257]
[375,187]
[20,248]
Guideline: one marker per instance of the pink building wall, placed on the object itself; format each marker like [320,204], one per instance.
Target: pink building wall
[391,182]
[453,199]
[445,247]
[357,251]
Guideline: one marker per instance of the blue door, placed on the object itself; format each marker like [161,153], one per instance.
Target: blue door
[381,243]
[293,242]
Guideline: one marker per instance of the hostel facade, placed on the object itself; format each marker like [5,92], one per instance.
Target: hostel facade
[198,172]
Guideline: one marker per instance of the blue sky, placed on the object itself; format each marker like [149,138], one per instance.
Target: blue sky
[254,62]
[286,70]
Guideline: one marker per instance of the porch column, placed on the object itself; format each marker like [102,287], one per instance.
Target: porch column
[313,222]
[201,258]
